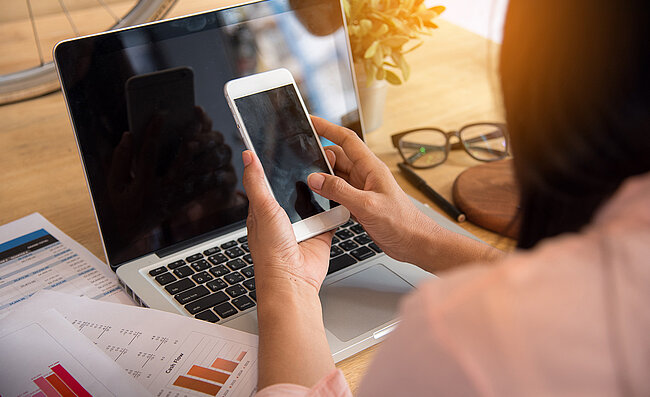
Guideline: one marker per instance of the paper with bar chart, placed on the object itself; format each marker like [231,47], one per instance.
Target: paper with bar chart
[44,356]
[167,353]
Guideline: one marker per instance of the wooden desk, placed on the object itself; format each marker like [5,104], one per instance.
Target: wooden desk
[453,82]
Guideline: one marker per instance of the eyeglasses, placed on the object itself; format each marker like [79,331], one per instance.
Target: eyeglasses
[428,146]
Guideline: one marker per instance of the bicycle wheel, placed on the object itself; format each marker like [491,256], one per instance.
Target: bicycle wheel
[42,79]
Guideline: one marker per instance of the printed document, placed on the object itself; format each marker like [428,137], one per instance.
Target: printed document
[36,255]
[44,355]
[169,354]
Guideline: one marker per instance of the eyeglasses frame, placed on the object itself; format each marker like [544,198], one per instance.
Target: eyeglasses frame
[454,146]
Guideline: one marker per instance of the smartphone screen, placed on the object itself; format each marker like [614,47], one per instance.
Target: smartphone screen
[287,148]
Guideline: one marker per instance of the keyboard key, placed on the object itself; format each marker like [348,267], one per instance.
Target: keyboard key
[165,278]
[225,310]
[362,239]
[245,247]
[176,264]
[344,234]
[358,229]
[362,253]
[179,286]
[211,251]
[200,265]
[202,277]
[348,245]
[348,223]
[194,257]
[206,303]
[253,295]
[340,262]
[335,251]
[235,290]
[249,284]
[242,239]
[229,244]
[335,240]
[183,271]
[375,247]
[243,302]
[248,272]
[236,264]
[191,294]
[157,271]
[216,285]
[217,259]
[234,252]
[219,270]
[248,258]
[233,278]
[207,315]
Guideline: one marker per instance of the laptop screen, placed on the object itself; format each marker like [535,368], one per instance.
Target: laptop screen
[160,148]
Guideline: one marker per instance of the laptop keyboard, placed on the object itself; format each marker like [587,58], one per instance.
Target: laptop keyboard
[220,282]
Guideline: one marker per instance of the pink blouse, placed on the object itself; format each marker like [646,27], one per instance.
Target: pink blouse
[568,318]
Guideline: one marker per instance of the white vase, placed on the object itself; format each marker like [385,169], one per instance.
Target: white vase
[372,98]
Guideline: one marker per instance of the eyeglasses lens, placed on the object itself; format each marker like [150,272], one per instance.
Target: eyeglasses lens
[485,142]
[424,148]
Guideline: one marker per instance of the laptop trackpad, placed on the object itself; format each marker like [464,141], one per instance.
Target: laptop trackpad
[362,301]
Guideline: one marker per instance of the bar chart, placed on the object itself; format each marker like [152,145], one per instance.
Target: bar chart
[58,383]
[45,356]
[209,366]
[209,380]
[169,355]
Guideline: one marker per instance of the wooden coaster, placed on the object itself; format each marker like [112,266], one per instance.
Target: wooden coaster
[489,196]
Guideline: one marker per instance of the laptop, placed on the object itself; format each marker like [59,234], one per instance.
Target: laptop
[161,155]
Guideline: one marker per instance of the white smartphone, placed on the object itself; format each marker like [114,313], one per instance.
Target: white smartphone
[274,124]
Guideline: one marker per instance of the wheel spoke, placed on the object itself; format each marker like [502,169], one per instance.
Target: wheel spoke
[36,39]
[69,17]
[108,10]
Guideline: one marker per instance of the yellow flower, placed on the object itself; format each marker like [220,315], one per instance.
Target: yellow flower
[382,31]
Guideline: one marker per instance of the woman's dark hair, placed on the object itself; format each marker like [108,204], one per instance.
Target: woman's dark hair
[575,76]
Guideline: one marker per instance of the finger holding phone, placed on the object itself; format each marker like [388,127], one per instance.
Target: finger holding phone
[365,186]
[274,124]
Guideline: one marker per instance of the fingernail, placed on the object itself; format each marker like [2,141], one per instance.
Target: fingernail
[316,181]
[246,157]
[331,156]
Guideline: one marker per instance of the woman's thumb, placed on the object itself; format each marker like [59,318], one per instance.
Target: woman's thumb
[337,189]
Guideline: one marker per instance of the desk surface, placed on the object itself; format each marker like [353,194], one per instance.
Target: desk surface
[453,82]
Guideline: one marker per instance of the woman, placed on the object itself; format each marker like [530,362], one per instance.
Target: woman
[565,315]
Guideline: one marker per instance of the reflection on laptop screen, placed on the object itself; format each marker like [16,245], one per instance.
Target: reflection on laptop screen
[158,142]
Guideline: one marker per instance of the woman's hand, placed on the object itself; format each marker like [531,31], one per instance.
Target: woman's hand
[279,260]
[288,276]
[366,187]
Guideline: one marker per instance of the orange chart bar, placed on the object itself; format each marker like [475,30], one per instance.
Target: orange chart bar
[61,387]
[70,381]
[224,365]
[208,374]
[197,385]
[241,356]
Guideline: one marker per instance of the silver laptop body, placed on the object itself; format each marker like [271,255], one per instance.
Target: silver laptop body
[113,82]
